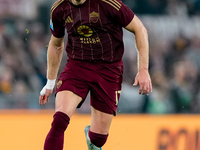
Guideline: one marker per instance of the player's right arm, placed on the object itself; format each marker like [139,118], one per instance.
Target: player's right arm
[55,51]
[54,56]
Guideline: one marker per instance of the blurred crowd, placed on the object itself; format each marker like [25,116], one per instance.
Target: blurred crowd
[165,7]
[174,60]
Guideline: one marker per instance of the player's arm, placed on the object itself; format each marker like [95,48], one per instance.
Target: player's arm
[141,36]
[54,56]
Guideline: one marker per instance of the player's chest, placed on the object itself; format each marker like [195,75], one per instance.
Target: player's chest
[93,16]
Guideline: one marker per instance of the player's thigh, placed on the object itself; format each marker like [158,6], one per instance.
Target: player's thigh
[66,102]
[100,121]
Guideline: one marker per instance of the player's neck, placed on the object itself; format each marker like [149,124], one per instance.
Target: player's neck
[77,2]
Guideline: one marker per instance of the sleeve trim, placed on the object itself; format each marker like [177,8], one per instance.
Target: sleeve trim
[55,5]
[113,3]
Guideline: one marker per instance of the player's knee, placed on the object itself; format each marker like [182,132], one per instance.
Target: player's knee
[60,121]
[97,139]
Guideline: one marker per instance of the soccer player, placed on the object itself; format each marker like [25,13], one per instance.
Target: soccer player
[94,49]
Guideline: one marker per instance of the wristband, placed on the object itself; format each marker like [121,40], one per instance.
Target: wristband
[50,84]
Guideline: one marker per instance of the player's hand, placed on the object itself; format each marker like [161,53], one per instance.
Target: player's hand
[46,91]
[144,81]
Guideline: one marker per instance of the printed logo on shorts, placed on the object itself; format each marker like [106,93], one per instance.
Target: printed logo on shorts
[59,83]
[94,17]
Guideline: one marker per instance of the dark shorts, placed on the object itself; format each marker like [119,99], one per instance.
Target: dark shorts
[103,80]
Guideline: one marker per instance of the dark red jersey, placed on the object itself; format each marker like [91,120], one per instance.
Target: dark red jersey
[94,28]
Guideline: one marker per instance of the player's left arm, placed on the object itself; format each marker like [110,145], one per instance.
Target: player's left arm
[141,37]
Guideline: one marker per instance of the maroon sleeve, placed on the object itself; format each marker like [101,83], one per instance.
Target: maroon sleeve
[125,15]
[119,11]
[56,26]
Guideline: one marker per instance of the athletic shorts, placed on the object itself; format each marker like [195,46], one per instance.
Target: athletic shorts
[103,80]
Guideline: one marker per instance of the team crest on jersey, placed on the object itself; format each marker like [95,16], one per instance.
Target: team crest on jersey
[59,83]
[85,31]
[94,17]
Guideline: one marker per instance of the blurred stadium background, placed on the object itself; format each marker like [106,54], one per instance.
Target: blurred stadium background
[174,36]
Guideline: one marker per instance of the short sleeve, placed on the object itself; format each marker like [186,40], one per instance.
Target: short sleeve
[125,15]
[56,27]
[119,12]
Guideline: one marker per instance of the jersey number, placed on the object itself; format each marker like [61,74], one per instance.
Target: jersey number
[117,97]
